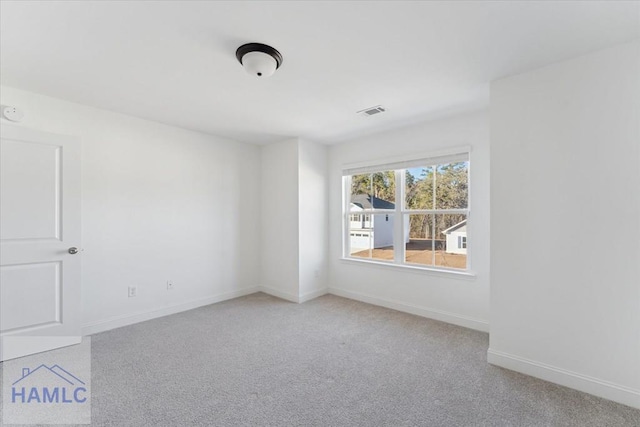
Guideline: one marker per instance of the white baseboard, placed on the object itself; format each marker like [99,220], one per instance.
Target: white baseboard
[278,293]
[431,313]
[130,319]
[312,295]
[293,297]
[587,384]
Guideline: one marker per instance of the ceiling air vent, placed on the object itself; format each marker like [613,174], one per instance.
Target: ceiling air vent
[372,110]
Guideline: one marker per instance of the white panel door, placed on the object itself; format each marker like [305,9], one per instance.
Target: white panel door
[39,233]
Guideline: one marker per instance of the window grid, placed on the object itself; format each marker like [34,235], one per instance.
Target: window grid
[403,220]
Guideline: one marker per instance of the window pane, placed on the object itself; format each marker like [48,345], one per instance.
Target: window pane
[360,190]
[360,244]
[384,189]
[452,186]
[451,241]
[419,188]
[382,237]
[372,236]
[360,234]
[373,191]
[419,239]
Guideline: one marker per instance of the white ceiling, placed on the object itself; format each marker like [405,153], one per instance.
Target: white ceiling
[174,61]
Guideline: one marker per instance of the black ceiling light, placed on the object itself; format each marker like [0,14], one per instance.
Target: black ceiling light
[259,59]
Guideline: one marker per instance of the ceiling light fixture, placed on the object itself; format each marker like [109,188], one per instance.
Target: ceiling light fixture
[259,59]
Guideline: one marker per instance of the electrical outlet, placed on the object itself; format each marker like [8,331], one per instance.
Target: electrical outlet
[169,285]
[133,291]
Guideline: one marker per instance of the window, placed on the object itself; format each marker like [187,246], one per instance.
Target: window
[462,242]
[416,212]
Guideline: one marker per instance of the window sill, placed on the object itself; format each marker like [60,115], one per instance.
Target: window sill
[451,274]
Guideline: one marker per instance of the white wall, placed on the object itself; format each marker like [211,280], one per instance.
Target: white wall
[294,219]
[279,220]
[565,161]
[455,299]
[313,219]
[159,203]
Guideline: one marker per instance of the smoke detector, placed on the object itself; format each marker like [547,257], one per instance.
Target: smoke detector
[372,110]
[12,113]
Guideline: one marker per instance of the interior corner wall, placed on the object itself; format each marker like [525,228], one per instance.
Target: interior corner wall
[279,220]
[294,218]
[312,219]
[158,203]
[565,223]
[459,300]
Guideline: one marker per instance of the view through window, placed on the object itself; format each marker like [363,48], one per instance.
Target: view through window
[415,215]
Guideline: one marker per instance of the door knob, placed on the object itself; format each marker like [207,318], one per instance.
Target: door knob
[73,250]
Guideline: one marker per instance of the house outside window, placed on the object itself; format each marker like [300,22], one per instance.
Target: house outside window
[417,212]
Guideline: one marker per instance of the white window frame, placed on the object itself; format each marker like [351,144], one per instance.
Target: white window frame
[400,213]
